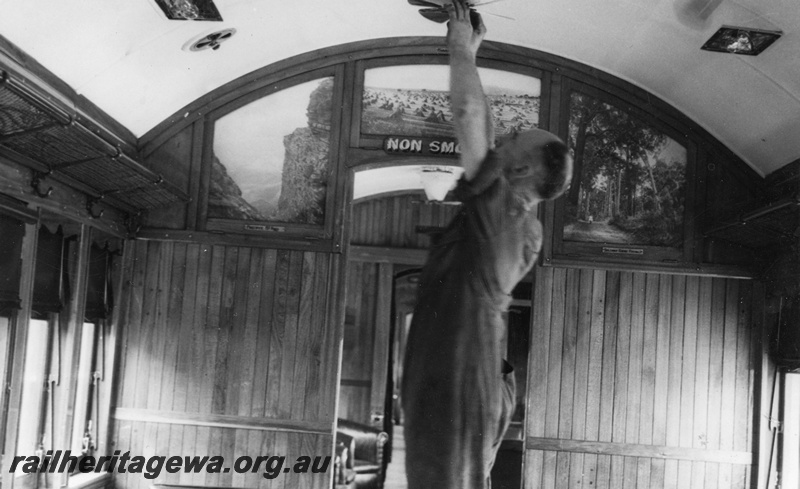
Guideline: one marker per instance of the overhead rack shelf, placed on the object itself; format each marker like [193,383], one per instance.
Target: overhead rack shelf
[68,147]
[772,224]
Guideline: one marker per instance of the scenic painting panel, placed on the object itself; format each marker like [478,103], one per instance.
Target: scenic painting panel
[271,157]
[413,100]
[629,179]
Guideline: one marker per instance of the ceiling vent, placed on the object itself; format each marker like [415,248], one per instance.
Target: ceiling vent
[209,41]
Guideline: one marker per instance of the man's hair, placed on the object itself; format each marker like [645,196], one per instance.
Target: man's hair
[555,155]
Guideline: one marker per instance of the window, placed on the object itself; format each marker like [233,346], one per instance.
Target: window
[6,326]
[34,387]
[84,431]
[790,471]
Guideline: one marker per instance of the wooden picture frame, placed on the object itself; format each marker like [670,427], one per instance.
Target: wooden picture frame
[631,200]
[283,136]
[428,118]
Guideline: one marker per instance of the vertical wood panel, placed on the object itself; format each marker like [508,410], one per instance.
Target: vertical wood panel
[539,356]
[392,221]
[643,359]
[233,331]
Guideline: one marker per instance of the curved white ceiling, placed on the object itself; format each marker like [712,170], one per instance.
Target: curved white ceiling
[127,58]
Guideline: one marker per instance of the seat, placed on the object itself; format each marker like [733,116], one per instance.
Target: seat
[366,446]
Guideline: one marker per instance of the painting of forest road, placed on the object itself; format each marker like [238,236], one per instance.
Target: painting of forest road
[271,157]
[629,178]
[413,100]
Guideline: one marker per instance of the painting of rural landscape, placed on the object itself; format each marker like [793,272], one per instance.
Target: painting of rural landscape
[270,158]
[629,179]
[413,100]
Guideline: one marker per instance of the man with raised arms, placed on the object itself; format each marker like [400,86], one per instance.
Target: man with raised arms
[458,392]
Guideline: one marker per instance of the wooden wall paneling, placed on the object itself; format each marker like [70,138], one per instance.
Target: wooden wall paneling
[264,348]
[688,372]
[304,334]
[123,431]
[674,372]
[592,465]
[321,393]
[198,399]
[360,339]
[634,376]
[182,438]
[728,372]
[648,375]
[701,383]
[248,355]
[764,386]
[743,398]
[278,333]
[290,318]
[234,323]
[173,160]
[579,407]
[553,372]
[610,320]
[538,360]
[382,321]
[710,439]
[674,377]
[622,369]
[565,418]
[155,440]
[170,389]
[228,284]
[129,354]
[235,378]
[661,345]
[208,439]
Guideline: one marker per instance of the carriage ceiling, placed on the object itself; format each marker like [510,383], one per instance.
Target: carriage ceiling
[127,58]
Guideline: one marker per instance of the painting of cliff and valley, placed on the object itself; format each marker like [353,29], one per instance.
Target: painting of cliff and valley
[271,157]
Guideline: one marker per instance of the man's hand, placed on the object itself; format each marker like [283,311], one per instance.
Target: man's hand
[466,30]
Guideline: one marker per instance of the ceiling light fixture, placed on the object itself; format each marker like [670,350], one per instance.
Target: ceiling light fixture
[437,181]
[741,40]
[190,9]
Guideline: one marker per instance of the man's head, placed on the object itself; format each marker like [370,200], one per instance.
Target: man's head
[538,164]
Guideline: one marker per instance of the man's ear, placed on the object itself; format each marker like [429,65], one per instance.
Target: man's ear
[556,160]
[556,155]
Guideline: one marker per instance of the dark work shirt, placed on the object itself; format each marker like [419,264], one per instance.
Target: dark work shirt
[455,398]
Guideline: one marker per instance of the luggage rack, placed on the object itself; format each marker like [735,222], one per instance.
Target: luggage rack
[57,142]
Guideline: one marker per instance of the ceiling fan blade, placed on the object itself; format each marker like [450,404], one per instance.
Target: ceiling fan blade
[423,3]
[488,2]
[498,15]
[435,14]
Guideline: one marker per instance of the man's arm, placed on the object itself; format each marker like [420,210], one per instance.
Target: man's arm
[471,115]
